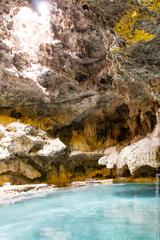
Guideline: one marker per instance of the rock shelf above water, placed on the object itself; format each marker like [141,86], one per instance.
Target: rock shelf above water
[29,155]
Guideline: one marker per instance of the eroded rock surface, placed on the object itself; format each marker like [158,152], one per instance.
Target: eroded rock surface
[28,154]
[85,71]
[89,73]
[141,158]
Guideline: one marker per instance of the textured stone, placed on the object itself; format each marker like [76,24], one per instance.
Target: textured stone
[18,167]
[28,154]
[89,75]
[145,152]
[93,66]
[142,157]
[51,148]
[110,158]
[20,152]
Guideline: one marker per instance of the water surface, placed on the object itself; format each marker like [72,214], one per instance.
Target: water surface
[100,212]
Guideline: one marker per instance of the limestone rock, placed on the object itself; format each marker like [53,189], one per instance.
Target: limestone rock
[142,154]
[19,167]
[89,75]
[21,127]
[80,157]
[23,149]
[18,143]
[145,152]
[84,165]
[51,148]
[110,158]
[29,154]
[4,153]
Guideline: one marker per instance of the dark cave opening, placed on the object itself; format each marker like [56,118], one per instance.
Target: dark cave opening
[145,171]
[99,176]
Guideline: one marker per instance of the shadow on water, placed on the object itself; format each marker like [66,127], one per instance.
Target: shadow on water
[142,191]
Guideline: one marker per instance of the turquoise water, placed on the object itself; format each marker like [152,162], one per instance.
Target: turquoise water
[114,212]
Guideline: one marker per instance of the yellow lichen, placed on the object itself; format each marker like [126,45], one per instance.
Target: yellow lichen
[141,35]
[79,142]
[42,123]
[5,120]
[127,30]
[4,179]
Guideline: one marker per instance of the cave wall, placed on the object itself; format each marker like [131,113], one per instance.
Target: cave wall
[96,83]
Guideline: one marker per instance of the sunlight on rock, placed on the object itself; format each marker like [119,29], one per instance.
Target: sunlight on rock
[31,29]
[43,10]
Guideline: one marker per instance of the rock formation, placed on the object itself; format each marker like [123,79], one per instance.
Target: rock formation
[141,158]
[29,155]
[86,72]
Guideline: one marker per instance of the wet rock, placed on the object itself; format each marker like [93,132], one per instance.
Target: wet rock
[31,155]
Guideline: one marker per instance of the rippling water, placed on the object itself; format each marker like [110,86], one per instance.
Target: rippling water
[114,212]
